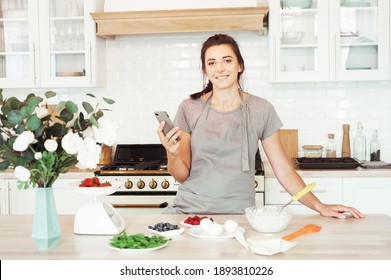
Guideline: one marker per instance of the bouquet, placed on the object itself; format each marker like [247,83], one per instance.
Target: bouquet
[40,145]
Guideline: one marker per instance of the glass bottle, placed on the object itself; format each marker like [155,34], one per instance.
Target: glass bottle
[359,144]
[331,150]
[375,147]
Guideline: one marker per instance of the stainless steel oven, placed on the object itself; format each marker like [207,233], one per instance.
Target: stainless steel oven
[146,186]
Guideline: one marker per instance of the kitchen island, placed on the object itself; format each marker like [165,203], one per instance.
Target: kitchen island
[349,239]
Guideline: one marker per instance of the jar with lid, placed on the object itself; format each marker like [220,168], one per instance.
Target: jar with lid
[374,147]
[359,144]
[331,147]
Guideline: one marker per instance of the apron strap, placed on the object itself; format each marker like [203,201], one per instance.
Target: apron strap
[245,144]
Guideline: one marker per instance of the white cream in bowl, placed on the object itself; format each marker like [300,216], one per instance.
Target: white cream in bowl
[268,219]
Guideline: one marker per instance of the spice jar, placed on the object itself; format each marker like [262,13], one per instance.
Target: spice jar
[331,148]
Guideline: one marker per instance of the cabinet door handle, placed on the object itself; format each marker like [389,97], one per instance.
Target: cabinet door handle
[91,66]
[274,58]
[34,65]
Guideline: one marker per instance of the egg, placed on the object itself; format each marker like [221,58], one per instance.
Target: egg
[230,226]
[205,224]
[215,229]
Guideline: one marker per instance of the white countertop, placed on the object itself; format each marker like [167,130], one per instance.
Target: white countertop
[339,173]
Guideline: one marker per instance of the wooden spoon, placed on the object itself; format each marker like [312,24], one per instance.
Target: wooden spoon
[308,228]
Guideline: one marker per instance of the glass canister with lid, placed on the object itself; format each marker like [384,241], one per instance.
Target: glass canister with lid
[331,147]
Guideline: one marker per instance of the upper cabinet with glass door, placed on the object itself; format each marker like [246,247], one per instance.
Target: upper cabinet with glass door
[19,43]
[334,40]
[298,34]
[50,43]
[68,44]
[359,40]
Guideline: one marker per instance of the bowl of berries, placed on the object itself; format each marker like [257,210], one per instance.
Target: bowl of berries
[97,186]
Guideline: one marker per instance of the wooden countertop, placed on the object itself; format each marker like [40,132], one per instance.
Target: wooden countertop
[366,239]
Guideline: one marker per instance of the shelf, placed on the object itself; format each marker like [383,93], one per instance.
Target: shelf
[110,24]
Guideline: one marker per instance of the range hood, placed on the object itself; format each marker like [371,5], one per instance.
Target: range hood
[111,24]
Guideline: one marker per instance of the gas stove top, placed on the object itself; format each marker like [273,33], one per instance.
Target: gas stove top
[138,159]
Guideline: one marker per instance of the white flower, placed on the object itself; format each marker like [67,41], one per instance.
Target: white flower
[38,155]
[89,154]
[71,143]
[106,133]
[41,112]
[50,145]
[22,173]
[88,133]
[23,141]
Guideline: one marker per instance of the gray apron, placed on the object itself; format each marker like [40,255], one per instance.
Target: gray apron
[221,179]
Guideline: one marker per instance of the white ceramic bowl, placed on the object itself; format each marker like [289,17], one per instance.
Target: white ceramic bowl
[268,219]
[291,37]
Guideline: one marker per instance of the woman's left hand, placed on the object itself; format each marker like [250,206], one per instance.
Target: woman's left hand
[340,211]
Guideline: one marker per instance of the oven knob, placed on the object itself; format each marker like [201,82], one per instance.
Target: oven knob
[128,184]
[165,184]
[140,184]
[153,184]
[255,184]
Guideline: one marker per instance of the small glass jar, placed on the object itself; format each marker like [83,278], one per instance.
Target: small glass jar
[331,147]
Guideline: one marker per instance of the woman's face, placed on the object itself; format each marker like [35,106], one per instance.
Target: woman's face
[222,67]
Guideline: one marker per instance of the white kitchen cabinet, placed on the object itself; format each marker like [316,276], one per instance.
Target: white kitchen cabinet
[368,195]
[3,198]
[67,200]
[50,43]
[330,41]
[328,190]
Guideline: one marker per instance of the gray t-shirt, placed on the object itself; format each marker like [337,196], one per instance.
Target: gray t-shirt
[264,120]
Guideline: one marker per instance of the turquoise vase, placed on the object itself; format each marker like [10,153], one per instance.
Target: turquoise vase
[46,230]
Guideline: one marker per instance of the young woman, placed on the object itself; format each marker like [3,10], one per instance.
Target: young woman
[220,128]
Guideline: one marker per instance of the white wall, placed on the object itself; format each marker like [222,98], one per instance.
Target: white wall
[155,72]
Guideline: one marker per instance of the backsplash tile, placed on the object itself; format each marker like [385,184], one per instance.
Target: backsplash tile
[156,72]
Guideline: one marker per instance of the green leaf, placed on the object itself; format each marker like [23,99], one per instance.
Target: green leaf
[59,106]
[32,103]
[4,165]
[65,116]
[71,107]
[91,95]
[87,106]
[93,121]
[54,130]
[33,122]
[12,103]
[19,129]
[50,94]
[108,101]
[1,96]
[14,117]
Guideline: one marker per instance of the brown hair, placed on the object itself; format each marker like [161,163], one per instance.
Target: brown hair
[216,40]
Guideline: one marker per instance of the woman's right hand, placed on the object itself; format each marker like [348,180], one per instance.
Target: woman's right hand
[169,141]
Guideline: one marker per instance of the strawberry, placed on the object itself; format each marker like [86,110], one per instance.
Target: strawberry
[96,181]
[87,182]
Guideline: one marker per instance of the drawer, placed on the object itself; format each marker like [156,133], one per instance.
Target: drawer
[328,190]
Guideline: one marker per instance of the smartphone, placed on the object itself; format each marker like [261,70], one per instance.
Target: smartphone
[163,116]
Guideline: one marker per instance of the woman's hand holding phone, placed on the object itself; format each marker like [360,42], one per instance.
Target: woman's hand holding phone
[168,133]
